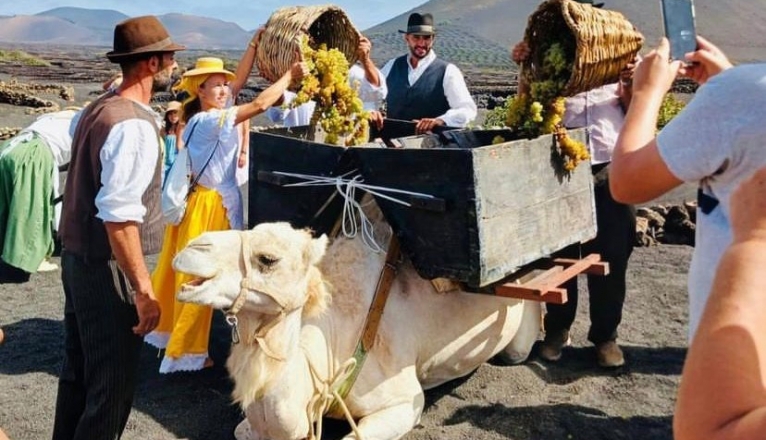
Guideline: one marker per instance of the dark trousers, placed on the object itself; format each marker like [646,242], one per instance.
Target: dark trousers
[614,241]
[98,377]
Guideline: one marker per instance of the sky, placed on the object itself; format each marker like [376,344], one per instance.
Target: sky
[249,14]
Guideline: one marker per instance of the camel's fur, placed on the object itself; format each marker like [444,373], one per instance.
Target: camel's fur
[425,338]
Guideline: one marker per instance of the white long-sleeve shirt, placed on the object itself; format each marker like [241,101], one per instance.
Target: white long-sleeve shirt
[462,107]
[128,160]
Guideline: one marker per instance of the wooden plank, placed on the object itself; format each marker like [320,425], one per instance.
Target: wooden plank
[544,284]
[596,268]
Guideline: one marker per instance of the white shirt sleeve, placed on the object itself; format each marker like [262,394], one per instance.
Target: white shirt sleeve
[128,162]
[698,141]
[370,95]
[462,107]
[278,113]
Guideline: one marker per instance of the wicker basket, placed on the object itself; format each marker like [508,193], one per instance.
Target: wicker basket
[600,42]
[281,40]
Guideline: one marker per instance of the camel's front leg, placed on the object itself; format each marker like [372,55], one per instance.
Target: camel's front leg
[393,422]
[520,346]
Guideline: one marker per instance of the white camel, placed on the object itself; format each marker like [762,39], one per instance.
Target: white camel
[303,307]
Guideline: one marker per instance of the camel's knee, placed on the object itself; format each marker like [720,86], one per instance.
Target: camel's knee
[529,330]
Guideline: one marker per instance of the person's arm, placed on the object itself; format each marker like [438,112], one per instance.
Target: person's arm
[707,61]
[125,242]
[245,65]
[244,136]
[636,154]
[722,394]
[371,73]
[129,157]
[519,53]
[462,107]
[271,94]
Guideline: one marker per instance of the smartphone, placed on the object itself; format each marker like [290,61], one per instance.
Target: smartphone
[678,20]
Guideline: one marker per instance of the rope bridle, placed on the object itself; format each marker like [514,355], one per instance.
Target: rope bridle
[259,335]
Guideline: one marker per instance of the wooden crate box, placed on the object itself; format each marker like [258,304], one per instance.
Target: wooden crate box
[494,208]
[487,209]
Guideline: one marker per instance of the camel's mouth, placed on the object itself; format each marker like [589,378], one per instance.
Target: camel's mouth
[194,284]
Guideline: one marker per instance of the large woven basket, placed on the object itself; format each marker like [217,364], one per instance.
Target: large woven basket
[281,38]
[600,42]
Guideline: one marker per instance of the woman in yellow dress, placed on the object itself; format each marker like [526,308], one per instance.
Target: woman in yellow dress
[211,134]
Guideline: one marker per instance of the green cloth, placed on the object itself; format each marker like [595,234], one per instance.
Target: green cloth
[26,209]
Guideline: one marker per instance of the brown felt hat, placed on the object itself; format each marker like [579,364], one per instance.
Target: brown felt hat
[420,24]
[139,35]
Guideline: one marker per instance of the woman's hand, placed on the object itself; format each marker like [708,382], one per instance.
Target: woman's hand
[299,70]
[708,61]
[520,52]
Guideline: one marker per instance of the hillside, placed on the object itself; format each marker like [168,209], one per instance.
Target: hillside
[94,27]
[475,34]
[737,26]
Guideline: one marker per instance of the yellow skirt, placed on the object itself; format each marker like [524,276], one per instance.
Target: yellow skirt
[184,329]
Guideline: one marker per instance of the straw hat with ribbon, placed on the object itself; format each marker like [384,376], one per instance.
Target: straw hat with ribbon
[193,79]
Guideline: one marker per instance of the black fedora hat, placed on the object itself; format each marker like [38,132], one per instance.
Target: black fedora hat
[140,35]
[420,24]
[590,2]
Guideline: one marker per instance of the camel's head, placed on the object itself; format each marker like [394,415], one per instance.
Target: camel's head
[278,262]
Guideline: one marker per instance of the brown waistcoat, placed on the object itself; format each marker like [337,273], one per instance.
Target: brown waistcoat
[81,232]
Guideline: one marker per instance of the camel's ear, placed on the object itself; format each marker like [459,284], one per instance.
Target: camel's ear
[316,249]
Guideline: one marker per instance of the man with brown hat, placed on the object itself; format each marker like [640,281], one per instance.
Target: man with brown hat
[422,87]
[111,219]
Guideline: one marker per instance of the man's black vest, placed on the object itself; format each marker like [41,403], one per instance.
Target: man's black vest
[424,99]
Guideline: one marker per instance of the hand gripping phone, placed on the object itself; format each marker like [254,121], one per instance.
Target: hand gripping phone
[678,20]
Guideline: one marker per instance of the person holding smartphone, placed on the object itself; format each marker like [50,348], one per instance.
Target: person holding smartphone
[717,141]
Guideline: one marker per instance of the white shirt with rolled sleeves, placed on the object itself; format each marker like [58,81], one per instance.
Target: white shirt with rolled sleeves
[600,112]
[462,106]
[128,162]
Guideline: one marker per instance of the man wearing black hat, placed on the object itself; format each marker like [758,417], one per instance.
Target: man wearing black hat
[111,218]
[422,87]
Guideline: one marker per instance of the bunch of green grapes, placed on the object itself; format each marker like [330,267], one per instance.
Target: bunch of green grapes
[339,110]
[541,110]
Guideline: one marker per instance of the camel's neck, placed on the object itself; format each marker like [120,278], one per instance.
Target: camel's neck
[257,363]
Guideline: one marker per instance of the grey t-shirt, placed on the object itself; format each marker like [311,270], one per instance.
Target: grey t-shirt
[718,140]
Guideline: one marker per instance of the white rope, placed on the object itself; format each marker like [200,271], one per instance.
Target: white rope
[325,394]
[353,214]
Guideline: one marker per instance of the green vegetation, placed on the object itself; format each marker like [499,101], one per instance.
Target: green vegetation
[670,107]
[498,116]
[21,57]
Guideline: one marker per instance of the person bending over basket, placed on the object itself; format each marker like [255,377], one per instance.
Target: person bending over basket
[211,134]
[602,112]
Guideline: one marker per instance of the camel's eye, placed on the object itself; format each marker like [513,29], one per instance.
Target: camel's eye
[267,261]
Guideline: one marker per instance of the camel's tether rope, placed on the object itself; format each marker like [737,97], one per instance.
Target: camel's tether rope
[352,210]
[325,393]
